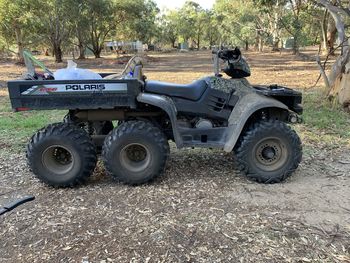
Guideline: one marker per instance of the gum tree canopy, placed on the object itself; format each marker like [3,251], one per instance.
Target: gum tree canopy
[338,79]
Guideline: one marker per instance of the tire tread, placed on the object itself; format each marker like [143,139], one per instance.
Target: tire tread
[64,130]
[241,150]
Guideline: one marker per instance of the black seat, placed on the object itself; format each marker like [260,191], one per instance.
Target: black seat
[191,91]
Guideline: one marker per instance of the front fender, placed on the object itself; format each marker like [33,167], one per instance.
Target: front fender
[246,107]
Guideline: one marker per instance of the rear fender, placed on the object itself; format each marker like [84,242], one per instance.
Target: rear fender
[244,109]
[166,104]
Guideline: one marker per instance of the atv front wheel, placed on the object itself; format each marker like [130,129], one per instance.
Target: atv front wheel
[269,151]
[135,152]
[61,155]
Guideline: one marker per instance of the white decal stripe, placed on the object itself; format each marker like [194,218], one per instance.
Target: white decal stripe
[76,88]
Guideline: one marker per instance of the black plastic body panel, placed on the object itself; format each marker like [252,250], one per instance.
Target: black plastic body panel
[291,98]
[96,99]
[213,137]
[214,104]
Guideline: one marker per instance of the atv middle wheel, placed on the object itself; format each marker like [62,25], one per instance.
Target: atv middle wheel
[135,152]
[61,155]
[269,151]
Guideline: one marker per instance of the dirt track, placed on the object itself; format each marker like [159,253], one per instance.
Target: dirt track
[201,210]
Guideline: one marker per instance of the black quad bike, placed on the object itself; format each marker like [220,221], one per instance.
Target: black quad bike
[130,120]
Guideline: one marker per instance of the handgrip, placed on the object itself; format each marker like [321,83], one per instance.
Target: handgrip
[13,205]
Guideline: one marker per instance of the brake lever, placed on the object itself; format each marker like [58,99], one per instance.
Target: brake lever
[9,207]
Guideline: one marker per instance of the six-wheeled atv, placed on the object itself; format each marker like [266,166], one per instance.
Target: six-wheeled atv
[130,120]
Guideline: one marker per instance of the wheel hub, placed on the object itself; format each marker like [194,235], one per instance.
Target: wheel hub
[136,153]
[62,156]
[58,159]
[270,154]
[135,157]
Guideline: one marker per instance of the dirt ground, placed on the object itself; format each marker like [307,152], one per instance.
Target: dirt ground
[201,210]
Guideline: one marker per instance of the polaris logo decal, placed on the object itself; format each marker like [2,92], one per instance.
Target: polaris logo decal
[86,87]
[51,89]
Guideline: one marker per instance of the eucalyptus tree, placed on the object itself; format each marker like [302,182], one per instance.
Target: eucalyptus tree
[192,21]
[144,25]
[337,81]
[239,22]
[105,17]
[79,25]
[55,27]
[18,23]
[169,24]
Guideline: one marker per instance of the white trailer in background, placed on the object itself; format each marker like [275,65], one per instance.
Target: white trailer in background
[125,46]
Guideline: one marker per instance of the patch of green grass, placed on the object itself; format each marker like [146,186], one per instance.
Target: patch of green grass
[325,124]
[321,114]
[17,128]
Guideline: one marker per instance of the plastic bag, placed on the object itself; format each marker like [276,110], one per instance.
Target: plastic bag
[74,73]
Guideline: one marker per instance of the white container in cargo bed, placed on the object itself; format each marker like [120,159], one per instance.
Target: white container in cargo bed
[74,73]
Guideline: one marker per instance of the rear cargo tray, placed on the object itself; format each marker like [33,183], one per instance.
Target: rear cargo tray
[73,94]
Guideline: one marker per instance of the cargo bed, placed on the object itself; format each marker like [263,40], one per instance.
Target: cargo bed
[73,94]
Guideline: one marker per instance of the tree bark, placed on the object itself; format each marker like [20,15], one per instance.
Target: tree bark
[198,41]
[275,35]
[344,90]
[261,44]
[275,46]
[339,76]
[81,48]
[97,52]
[57,51]
[81,43]
[258,42]
[19,40]
[295,45]
[331,36]
[324,31]
[173,41]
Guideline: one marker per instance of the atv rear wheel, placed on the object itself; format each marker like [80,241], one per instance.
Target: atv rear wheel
[61,155]
[269,152]
[135,152]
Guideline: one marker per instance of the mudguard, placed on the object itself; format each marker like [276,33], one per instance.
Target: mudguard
[246,106]
[165,103]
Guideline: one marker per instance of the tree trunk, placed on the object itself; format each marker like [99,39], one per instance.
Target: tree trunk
[339,76]
[96,48]
[258,42]
[344,88]
[81,51]
[97,52]
[331,36]
[198,41]
[341,88]
[295,45]
[57,51]
[246,45]
[275,45]
[81,43]
[275,35]
[261,44]
[19,40]
[324,31]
